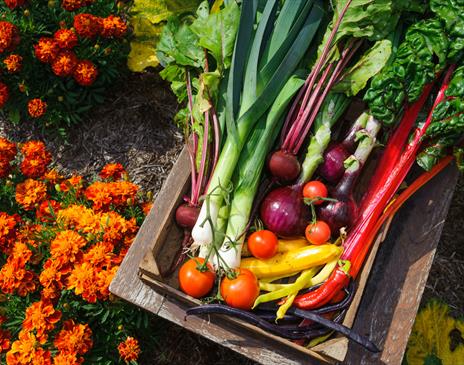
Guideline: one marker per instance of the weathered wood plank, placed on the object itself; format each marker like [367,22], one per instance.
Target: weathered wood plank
[394,290]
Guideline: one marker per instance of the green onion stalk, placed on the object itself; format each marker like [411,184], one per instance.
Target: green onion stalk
[250,92]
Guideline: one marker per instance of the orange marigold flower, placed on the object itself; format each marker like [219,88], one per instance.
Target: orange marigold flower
[34,149]
[74,338]
[66,38]
[30,193]
[5,167]
[4,94]
[7,230]
[146,207]
[13,63]
[54,271]
[67,359]
[68,244]
[113,26]
[46,49]
[9,36]
[100,255]
[14,276]
[85,73]
[41,316]
[80,218]
[104,278]
[102,194]
[71,5]
[36,107]
[5,337]
[52,176]
[64,63]
[82,281]
[26,351]
[129,350]
[14,3]
[7,149]
[87,25]
[112,171]
[34,167]
[74,183]
[116,227]
[47,210]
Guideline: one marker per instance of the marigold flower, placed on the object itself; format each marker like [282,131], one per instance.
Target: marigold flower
[14,277]
[113,26]
[52,176]
[112,171]
[30,193]
[7,149]
[146,207]
[14,3]
[104,278]
[47,210]
[13,63]
[68,244]
[87,25]
[9,36]
[82,281]
[46,49]
[74,338]
[67,359]
[117,227]
[103,194]
[129,350]
[100,255]
[26,351]
[71,5]
[7,231]
[36,107]
[66,38]
[41,316]
[34,149]
[64,64]
[80,218]
[73,183]
[85,73]
[4,94]
[34,167]
[5,337]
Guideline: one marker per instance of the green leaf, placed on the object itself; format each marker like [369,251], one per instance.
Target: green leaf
[356,78]
[217,32]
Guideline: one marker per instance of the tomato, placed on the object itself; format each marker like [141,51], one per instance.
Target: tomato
[315,189]
[318,233]
[194,282]
[242,291]
[263,244]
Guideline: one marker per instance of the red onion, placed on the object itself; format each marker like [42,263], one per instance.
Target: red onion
[187,215]
[284,212]
[332,168]
[284,166]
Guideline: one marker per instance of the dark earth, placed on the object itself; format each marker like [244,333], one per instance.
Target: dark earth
[135,128]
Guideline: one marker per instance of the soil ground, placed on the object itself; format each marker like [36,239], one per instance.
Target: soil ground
[135,128]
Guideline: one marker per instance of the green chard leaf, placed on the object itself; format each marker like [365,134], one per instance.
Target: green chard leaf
[217,32]
[356,78]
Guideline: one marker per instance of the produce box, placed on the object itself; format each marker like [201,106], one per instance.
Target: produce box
[400,271]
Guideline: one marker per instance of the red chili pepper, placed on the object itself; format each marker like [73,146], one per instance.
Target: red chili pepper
[336,282]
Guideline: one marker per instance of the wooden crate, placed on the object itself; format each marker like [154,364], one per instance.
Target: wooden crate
[392,317]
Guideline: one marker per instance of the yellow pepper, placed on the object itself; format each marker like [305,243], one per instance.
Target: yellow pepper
[293,261]
[284,246]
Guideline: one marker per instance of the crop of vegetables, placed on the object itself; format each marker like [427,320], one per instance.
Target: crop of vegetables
[272,222]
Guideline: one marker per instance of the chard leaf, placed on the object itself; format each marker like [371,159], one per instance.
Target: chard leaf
[217,32]
[148,18]
[176,76]
[356,78]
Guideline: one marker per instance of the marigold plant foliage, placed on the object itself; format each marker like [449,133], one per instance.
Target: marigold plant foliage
[58,57]
[62,240]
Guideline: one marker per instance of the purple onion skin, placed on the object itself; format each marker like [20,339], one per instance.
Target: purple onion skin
[284,166]
[344,211]
[187,215]
[333,168]
[284,212]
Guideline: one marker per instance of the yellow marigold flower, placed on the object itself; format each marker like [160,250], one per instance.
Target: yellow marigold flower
[36,108]
[129,350]
[30,193]
[67,359]
[112,171]
[74,339]
[41,316]
[67,244]
[13,63]
[26,351]
[82,281]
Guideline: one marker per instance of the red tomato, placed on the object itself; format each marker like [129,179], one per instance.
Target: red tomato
[315,189]
[242,291]
[318,233]
[194,282]
[263,244]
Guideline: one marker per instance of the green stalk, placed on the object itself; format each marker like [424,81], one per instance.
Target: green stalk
[251,164]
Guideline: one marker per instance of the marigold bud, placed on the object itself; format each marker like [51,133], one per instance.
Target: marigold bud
[57,187]
[26,12]
[60,98]
[150,196]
